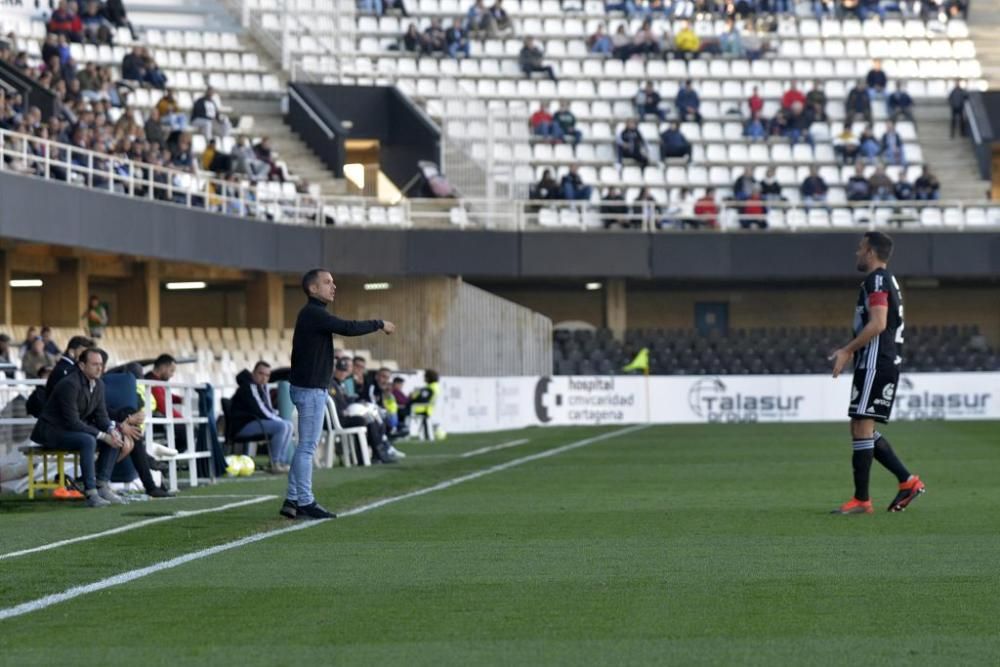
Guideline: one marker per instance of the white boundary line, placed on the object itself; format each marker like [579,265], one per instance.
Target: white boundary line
[493,448]
[125,577]
[138,524]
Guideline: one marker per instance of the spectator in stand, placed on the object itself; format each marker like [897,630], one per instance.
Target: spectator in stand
[65,20]
[413,41]
[869,147]
[644,210]
[133,65]
[394,6]
[813,189]
[646,42]
[680,212]
[892,146]
[530,60]
[858,187]
[778,124]
[629,7]
[96,28]
[673,143]
[621,44]
[541,122]
[5,349]
[706,211]
[457,39]
[253,414]
[631,144]
[927,187]
[900,103]
[153,130]
[371,7]
[51,346]
[647,101]
[744,185]
[215,160]
[600,42]
[573,187]
[956,102]
[753,44]
[859,103]
[754,128]
[753,212]
[245,161]
[816,98]
[564,124]
[36,358]
[686,42]
[96,317]
[688,103]
[903,190]
[845,145]
[880,184]
[792,97]
[876,80]
[731,41]
[263,151]
[114,12]
[797,127]
[755,102]
[770,188]
[613,208]
[504,26]
[170,111]
[434,37]
[207,116]
[29,338]
[546,188]
[480,21]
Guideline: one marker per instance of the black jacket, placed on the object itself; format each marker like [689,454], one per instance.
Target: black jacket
[73,406]
[312,343]
[251,402]
[63,368]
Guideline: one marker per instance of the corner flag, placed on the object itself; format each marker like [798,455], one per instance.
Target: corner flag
[640,363]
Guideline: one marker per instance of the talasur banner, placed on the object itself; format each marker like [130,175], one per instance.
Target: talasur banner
[487,404]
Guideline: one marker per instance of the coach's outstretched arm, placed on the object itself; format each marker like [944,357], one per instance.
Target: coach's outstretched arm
[334,325]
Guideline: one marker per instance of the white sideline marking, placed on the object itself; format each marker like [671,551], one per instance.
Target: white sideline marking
[493,448]
[125,577]
[138,524]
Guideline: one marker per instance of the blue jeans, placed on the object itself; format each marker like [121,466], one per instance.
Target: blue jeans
[311,404]
[87,445]
[278,431]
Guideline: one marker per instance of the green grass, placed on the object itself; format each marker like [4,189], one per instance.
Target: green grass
[670,545]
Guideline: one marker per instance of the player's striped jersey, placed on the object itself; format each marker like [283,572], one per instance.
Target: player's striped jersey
[880,289]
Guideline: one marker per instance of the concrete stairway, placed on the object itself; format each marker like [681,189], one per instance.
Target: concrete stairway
[984,26]
[951,160]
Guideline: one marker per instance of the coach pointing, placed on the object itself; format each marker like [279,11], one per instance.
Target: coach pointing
[312,368]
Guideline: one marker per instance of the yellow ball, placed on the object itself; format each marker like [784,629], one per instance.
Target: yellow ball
[234,465]
[247,466]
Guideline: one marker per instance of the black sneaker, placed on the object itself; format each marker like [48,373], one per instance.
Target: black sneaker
[289,509]
[314,511]
[157,492]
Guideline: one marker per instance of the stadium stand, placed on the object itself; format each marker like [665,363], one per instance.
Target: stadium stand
[948,348]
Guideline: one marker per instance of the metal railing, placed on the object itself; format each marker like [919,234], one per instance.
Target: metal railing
[268,201]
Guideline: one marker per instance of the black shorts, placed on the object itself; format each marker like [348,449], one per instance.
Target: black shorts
[873,392]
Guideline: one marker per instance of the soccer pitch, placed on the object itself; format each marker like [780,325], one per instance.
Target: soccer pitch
[660,545]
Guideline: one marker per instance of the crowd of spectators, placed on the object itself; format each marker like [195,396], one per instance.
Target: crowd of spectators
[102,139]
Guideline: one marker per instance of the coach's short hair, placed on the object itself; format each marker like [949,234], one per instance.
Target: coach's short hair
[881,244]
[310,277]
[76,342]
[260,364]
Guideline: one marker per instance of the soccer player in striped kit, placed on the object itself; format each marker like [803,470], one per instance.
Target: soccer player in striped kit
[876,351]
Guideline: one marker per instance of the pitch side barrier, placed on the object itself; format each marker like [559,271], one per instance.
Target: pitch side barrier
[469,404]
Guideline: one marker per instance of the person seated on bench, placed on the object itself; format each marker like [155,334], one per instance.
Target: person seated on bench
[164,368]
[67,362]
[342,401]
[75,419]
[253,414]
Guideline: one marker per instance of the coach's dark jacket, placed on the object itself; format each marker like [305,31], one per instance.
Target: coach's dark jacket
[64,367]
[312,343]
[72,407]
